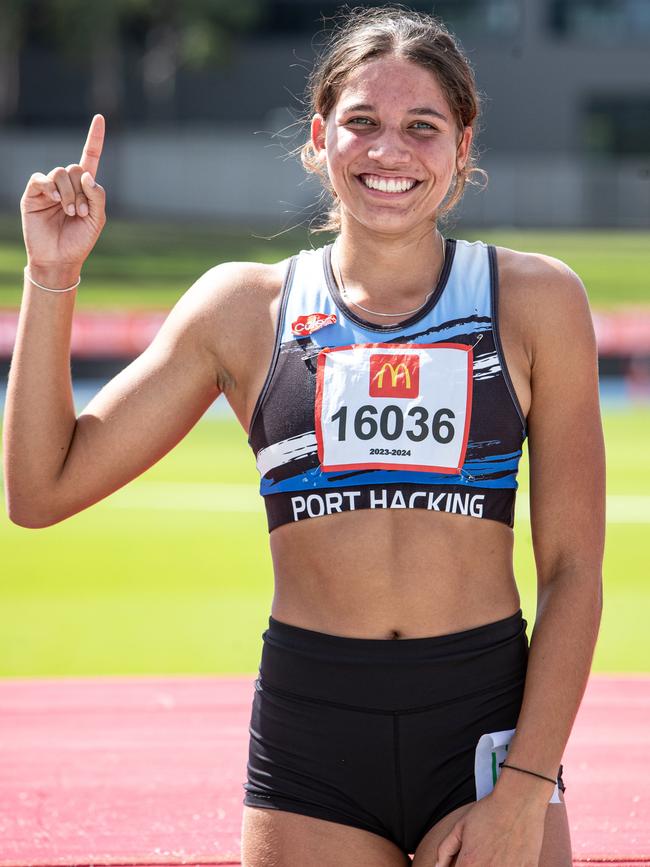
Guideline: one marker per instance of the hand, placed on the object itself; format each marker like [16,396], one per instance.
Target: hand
[490,836]
[55,238]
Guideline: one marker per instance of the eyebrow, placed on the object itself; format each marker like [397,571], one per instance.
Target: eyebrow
[420,110]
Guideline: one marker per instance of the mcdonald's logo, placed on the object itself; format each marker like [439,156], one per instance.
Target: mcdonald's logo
[394,375]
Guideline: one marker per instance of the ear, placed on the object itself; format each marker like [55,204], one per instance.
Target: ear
[463,149]
[318,134]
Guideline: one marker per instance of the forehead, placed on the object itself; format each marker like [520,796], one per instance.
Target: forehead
[393,82]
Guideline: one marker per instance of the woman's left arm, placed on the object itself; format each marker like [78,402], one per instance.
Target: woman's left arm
[567,512]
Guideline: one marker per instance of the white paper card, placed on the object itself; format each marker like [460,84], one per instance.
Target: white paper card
[492,749]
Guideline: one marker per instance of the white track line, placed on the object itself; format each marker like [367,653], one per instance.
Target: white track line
[183,496]
[209,497]
[621,509]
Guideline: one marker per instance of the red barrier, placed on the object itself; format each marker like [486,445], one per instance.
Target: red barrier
[126,333]
[623,332]
[103,334]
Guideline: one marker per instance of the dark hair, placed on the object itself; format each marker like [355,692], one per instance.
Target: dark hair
[364,34]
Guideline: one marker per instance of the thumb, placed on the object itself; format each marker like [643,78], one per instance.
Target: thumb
[93,191]
[88,182]
[449,847]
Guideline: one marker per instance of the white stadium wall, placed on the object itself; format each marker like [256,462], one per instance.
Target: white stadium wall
[237,175]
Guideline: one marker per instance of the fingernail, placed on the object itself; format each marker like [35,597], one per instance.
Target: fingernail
[83,209]
[70,210]
[56,195]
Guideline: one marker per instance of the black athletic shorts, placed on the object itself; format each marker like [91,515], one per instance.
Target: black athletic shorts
[382,734]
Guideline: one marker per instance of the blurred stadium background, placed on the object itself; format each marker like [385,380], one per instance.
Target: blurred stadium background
[203,106]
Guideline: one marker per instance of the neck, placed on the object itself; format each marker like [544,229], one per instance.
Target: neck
[388,273]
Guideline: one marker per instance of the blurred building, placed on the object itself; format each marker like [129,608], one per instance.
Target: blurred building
[565,132]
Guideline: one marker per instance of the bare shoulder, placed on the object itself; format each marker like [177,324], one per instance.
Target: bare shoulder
[238,289]
[541,294]
[565,438]
[236,304]
[538,278]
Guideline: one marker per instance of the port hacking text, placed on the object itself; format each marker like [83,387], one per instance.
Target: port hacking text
[329,502]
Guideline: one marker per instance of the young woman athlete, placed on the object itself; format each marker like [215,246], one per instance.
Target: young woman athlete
[387,383]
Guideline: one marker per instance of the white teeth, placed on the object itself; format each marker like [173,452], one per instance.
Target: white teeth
[388,185]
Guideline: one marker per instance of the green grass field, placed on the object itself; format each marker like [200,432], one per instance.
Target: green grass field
[151,264]
[159,578]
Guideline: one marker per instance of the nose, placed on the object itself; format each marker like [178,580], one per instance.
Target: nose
[389,149]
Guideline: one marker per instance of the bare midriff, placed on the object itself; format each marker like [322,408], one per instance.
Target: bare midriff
[393,573]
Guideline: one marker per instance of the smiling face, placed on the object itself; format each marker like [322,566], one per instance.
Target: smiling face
[390,146]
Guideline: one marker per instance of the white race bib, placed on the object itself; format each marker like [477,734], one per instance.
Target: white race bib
[394,406]
[491,750]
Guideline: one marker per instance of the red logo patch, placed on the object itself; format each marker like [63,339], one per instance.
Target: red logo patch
[312,322]
[394,375]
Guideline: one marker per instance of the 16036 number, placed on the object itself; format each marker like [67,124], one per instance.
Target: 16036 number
[392,422]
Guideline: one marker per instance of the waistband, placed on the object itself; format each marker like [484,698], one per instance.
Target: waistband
[400,674]
[496,503]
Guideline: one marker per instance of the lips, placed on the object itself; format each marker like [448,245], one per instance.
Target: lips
[393,185]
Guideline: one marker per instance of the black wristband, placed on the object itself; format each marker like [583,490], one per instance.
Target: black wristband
[524,771]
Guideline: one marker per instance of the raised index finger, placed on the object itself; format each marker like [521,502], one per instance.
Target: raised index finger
[92,151]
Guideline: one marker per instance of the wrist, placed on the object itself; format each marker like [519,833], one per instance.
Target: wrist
[54,276]
[523,788]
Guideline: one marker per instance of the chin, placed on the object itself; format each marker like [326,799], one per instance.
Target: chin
[391,224]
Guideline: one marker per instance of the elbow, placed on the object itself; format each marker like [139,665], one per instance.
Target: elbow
[31,520]
[600,597]
[584,582]
[29,515]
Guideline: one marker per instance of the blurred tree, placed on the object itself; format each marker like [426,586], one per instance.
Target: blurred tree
[12,33]
[191,33]
[89,30]
[194,33]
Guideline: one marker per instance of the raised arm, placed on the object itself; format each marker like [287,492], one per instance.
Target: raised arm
[54,463]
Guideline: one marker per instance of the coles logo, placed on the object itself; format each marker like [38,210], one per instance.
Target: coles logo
[394,375]
[311,322]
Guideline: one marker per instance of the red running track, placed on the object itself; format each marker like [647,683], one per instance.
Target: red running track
[138,771]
